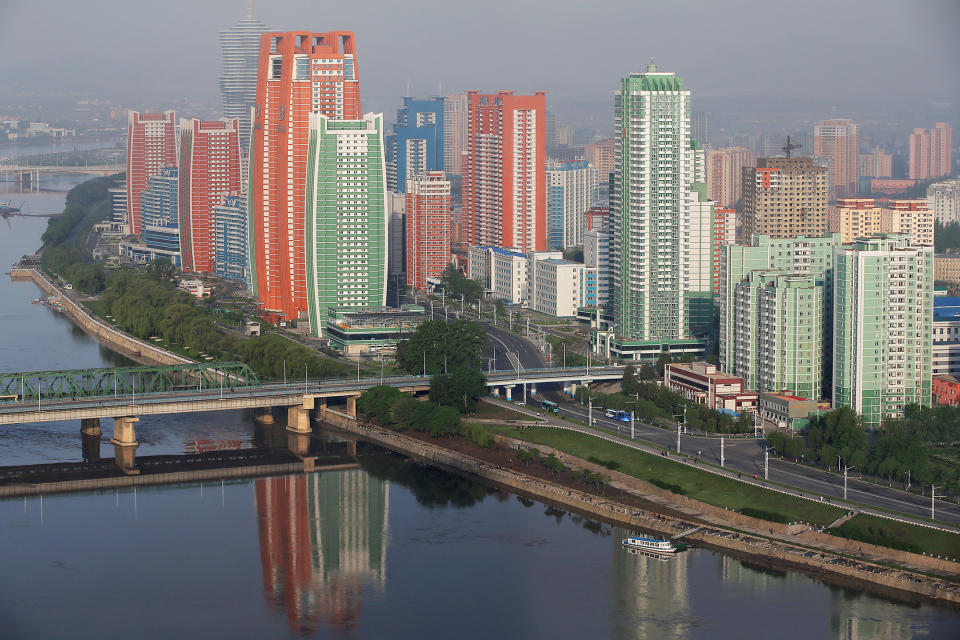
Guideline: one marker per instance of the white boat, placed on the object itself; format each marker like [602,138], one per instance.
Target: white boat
[650,544]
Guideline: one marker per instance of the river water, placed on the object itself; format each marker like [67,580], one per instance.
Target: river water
[391,549]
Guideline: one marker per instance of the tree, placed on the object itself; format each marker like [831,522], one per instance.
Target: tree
[443,346]
[377,402]
[162,270]
[647,372]
[456,283]
[459,389]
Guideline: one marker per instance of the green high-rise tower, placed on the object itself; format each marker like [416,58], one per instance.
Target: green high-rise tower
[346,216]
[661,221]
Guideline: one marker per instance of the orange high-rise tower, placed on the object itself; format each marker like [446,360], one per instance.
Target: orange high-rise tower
[428,227]
[300,73]
[209,169]
[151,146]
[504,174]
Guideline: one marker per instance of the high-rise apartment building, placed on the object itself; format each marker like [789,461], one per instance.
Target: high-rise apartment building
[724,233]
[784,198]
[159,228]
[748,272]
[239,53]
[596,255]
[876,164]
[504,187]
[416,144]
[778,333]
[151,146]
[602,155]
[836,141]
[931,153]
[346,216]
[883,324]
[944,199]
[300,73]
[454,132]
[428,227]
[209,169]
[910,217]
[572,188]
[231,255]
[660,218]
[725,173]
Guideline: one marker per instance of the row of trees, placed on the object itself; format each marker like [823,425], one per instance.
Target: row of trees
[147,305]
[64,253]
[838,438]
[455,283]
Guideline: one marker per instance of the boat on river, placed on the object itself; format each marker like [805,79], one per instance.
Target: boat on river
[656,545]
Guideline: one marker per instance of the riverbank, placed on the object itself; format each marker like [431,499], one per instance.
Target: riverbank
[110,337]
[784,545]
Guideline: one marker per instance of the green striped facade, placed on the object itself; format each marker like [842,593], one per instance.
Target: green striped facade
[883,326]
[346,216]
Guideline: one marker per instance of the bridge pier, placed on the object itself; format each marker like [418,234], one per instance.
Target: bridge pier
[125,444]
[298,420]
[90,426]
[90,446]
[262,435]
[508,388]
[495,391]
[352,406]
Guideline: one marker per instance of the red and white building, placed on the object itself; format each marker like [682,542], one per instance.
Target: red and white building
[702,383]
[946,389]
[300,73]
[428,227]
[504,180]
[931,154]
[209,169]
[724,233]
[151,146]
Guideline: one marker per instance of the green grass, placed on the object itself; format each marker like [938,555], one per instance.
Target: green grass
[572,359]
[696,484]
[899,535]
[488,410]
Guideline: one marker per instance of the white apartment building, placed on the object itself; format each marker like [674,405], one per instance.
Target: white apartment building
[556,287]
[572,188]
[944,199]
[509,275]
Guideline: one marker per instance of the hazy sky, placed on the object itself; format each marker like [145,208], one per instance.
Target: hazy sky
[822,52]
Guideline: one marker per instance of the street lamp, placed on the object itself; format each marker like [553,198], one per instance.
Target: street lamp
[845,469]
[679,419]
[933,500]
[766,467]
[590,400]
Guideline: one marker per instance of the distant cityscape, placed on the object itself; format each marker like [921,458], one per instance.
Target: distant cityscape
[800,266]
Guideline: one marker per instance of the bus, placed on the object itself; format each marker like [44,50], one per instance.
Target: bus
[623,416]
[552,407]
[610,413]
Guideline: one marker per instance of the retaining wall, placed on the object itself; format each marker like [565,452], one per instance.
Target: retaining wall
[133,348]
[800,557]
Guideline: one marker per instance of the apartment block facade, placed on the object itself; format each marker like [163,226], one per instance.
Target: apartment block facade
[151,146]
[784,198]
[572,189]
[836,141]
[416,144]
[427,228]
[725,173]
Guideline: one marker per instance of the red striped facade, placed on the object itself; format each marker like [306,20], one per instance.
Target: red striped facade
[300,73]
[151,146]
[209,169]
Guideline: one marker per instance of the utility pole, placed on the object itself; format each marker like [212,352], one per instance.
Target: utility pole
[845,469]
[721,452]
[494,315]
[908,479]
[933,501]
[424,363]
[564,355]
[461,304]
[528,327]
[766,462]
[358,371]
[631,425]
[511,320]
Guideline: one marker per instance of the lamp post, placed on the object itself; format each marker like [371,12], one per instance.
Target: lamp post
[933,501]
[845,469]
[907,473]
[766,463]
[590,400]
[679,419]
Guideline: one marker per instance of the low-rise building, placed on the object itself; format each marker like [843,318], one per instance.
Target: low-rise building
[783,412]
[946,268]
[946,389]
[556,287]
[509,275]
[946,336]
[373,330]
[703,383]
[856,218]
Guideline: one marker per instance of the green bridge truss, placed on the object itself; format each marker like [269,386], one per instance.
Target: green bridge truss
[98,383]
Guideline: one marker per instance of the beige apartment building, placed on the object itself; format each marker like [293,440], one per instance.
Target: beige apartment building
[856,218]
[784,198]
[724,174]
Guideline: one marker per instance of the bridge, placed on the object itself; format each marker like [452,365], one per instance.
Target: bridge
[27,177]
[126,393]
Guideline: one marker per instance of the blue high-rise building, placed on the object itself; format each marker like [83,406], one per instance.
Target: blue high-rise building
[159,215]
[231,255]
[416,145]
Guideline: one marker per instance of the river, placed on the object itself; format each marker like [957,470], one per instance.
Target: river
[391,549]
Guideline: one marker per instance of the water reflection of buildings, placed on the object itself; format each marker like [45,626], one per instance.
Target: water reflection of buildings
[322,541]
[755,577]
[857,616]
[651,598]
